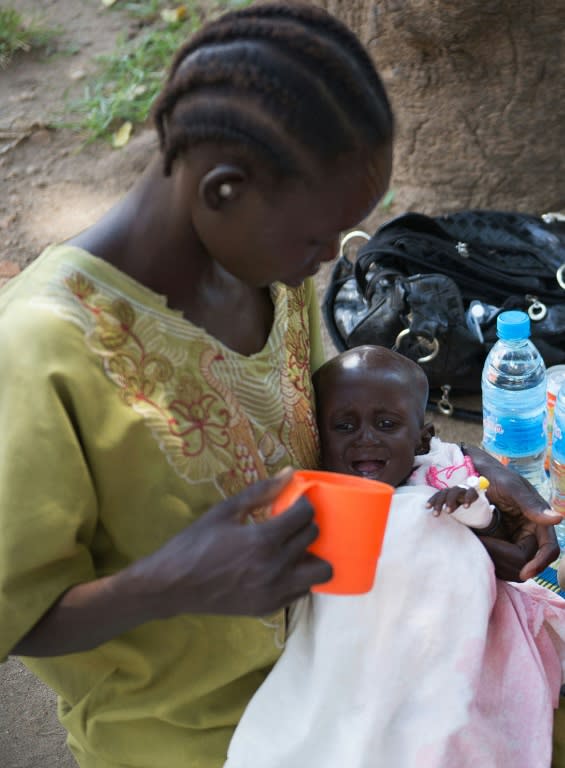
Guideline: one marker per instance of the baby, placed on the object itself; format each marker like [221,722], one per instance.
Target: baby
[371,405]
[439,665]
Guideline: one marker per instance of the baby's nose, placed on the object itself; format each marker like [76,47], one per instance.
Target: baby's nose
[368,434]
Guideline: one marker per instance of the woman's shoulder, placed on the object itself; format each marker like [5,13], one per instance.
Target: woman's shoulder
[36,308]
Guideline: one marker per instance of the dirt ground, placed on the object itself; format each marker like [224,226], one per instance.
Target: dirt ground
[51,187]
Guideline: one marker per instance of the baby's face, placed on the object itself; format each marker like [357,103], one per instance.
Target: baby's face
[370,425]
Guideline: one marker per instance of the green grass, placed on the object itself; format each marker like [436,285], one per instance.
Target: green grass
[387,201]
[19,34]
[128,80]
[126,83]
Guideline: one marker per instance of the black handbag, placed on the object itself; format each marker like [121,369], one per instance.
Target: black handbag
[432,287]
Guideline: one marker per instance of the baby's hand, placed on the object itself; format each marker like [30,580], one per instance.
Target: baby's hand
[448,499]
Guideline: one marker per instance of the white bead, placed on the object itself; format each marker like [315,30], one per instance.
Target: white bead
[226,190]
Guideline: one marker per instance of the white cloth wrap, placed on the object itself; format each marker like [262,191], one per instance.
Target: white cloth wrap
[438,666]
[446,462]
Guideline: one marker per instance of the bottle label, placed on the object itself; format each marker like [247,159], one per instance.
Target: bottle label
[551,398]
[558,449]
[513,437]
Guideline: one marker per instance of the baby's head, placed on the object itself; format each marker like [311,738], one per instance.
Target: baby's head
[371,405]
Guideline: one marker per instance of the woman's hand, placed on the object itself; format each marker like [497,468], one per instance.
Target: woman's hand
[219,564]
[510,559]
[527,520]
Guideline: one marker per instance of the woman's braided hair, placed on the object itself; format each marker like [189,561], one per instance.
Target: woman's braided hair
[269,77]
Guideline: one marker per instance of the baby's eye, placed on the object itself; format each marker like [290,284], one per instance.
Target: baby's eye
[386,424]
[343,426]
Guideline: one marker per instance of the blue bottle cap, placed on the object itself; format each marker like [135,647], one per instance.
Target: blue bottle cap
[513,325]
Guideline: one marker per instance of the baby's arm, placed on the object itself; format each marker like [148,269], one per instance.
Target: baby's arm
[460,500]
[467,502]
[450,499]
[445,465]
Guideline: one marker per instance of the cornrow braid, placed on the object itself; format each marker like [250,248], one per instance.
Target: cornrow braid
[274,78]
[239,68]
[318,22]
[325,64]
[206,121]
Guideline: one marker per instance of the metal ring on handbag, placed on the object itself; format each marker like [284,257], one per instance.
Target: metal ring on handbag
[444,405]
[537,309]
[560,275]
[350,236]
[434,343]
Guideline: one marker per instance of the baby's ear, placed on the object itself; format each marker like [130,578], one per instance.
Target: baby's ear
[428,431]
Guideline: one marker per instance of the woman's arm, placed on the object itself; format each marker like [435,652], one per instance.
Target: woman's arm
[527,521]
[217,565]
[86,616]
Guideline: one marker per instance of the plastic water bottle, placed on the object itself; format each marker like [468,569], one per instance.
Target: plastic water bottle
[514,400]
[557,464]
[555,378]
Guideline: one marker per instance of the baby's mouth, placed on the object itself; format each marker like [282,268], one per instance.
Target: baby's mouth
[369,468]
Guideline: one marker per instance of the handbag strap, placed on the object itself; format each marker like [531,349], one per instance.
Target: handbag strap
[341,273]
[421,243]
[343,270]
[366,260]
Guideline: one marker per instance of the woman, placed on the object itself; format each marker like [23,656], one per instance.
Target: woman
[159,366]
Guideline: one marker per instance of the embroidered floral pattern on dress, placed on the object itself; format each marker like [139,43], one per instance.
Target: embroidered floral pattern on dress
[198,418]
[296,388]
[214,417]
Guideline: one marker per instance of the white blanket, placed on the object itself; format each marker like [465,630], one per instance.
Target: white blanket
[439,666]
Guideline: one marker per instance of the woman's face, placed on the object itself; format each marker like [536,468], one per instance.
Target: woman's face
[285,232]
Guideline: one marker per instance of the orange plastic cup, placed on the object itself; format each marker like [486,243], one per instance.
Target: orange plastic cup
[351,513]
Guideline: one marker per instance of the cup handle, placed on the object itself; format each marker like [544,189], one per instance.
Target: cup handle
[290,493]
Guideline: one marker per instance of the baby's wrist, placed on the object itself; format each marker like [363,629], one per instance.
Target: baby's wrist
[494,525]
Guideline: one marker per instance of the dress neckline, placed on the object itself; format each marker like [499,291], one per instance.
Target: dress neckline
[172,320]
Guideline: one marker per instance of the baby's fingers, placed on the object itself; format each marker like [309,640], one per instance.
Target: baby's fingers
[449,499]
[466,498]
[454,497]
[437,502]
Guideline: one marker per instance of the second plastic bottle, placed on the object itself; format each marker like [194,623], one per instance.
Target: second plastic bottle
[514,400]
[557,465]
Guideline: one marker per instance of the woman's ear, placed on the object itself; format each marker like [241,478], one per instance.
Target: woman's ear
[428,431]
[222,185]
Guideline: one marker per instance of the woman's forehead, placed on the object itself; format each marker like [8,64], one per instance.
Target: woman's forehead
[335,198]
